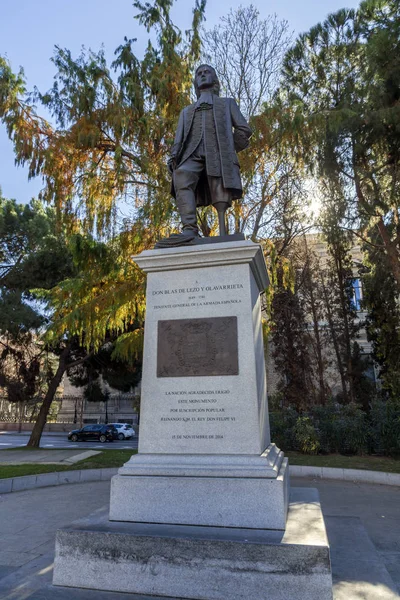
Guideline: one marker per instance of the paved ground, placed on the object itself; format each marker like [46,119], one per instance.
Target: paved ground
[363,523]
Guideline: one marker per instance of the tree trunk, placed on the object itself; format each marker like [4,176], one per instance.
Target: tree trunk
[318,346]
[339,273]
[34,440]
[335,341]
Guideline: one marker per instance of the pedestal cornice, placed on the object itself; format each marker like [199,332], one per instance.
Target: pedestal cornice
[210,255]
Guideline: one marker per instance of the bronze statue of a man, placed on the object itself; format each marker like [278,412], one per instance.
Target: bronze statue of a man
[204,163]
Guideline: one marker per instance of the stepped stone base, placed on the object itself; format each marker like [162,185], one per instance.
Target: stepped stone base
[203,563]
[213,491]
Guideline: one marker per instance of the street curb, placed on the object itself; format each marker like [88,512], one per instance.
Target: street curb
[358,475]
[29,482]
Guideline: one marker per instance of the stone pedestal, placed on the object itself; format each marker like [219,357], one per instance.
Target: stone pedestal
[204,563]
[205,456]
[201,511]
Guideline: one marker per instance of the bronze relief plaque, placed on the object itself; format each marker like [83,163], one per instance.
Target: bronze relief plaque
[197,347]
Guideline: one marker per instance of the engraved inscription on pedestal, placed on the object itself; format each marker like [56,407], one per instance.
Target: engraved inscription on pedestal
[197,347]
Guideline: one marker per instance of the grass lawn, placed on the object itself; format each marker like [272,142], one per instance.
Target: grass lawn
[368,463]
[104,460]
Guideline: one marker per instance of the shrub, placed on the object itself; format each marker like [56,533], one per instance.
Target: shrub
[339,428]
[306,436]
[282,423]
[351,430]
[324,418]
[385,427]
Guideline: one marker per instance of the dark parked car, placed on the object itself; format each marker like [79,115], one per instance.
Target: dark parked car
[101,433]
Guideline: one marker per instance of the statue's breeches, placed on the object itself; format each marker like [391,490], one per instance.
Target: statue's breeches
[186,180]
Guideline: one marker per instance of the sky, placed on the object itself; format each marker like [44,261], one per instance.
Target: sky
[30,29]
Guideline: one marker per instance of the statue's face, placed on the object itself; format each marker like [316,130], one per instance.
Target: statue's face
[204,77]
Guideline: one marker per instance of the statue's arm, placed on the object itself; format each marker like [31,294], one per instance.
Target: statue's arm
[241,129]
[177,145]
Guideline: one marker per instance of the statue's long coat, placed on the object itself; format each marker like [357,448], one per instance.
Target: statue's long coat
[232,133]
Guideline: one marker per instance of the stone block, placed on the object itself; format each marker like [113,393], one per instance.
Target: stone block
[44,479]
[90,474]
[194,294]
[106,474]
[201,563]
[359,475]
[69,476]
[248,502]
[6,485]
[23,483]
[191,465]
[305,471]
[332,473]
[393,479]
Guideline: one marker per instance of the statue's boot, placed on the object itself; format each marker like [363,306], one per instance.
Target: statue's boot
[178,239]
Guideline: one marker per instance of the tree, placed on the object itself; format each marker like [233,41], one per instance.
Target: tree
[337,286]
[102,303]
[34,255]
[312,293]
[35,354]
[247,52]
[112,130]
[382,302]
[340,91]
[291,346]
[113,127]
[101,369]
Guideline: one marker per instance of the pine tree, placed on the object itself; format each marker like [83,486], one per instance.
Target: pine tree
[340,96]
[290,339]
[337,284]
[382,302]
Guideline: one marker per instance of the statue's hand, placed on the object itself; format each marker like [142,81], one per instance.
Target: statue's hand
[240,140]
[171,164]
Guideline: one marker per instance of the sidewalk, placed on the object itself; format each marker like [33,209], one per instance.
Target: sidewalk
[363,523]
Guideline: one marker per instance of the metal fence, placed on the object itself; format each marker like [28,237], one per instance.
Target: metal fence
[73,410]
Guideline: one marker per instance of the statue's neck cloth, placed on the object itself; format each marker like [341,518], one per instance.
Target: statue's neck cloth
[206,97]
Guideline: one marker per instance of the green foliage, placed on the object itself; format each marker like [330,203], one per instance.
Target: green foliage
[282,423]
[22,228]
[94,392]
[122,376]
[382,302]
[291,346]
[113,126]
[35,255]
[324,418]
[306,437]
[385,427]
[337,288]
[105,300]
[341,89]
[351,430]
[335,428]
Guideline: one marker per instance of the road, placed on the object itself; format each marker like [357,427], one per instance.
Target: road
[363,523]
[16,440]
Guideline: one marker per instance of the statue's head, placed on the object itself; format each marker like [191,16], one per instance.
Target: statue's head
[206,78]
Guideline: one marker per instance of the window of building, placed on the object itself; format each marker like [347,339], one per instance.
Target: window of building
[357,293]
